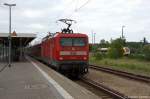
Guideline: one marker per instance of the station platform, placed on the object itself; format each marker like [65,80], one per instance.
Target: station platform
[31,79]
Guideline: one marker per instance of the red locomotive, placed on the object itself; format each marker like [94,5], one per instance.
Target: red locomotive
[66,51]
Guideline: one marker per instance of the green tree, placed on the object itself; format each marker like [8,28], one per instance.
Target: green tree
[116,48]
[146,52]
[135,47]
[103,43]
[98,55]
[145,41]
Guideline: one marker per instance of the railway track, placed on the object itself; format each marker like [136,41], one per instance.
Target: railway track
[145,79]
[115,94]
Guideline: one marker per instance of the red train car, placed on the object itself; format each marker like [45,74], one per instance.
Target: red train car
[66,52]
[35,50]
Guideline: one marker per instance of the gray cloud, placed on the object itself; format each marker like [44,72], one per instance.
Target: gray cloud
[104,17]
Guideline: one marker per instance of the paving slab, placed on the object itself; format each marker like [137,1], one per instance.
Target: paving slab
[24,81]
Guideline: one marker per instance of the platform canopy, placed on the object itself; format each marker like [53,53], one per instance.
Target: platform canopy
[17,38]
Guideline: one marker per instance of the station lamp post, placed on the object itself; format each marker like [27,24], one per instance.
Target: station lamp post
[9,37]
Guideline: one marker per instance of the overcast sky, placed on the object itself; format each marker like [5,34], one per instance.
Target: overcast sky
[103,17]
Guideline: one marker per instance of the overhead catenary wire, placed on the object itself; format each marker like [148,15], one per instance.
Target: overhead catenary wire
[77,9]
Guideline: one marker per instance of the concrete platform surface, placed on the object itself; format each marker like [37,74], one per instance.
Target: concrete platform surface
[33,80]
[24,81]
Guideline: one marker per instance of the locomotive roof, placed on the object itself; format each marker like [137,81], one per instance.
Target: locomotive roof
[70,35]
[59,34]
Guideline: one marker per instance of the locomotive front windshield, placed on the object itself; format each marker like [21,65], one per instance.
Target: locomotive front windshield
[72,42]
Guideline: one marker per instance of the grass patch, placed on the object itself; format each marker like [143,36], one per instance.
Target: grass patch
[130,65]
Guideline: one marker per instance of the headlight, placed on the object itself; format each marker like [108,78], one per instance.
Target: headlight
[60,58]
[84,58]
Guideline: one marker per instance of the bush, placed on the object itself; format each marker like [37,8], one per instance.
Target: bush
[113,53]
[136,56]
[98,56]
[116,49]
[146,52]
[94,49]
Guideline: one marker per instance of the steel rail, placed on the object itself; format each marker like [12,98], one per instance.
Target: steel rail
[142,78]
[115,94]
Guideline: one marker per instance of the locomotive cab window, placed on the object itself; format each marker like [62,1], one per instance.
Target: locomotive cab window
[66,42]
[78,42]
[72,42]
